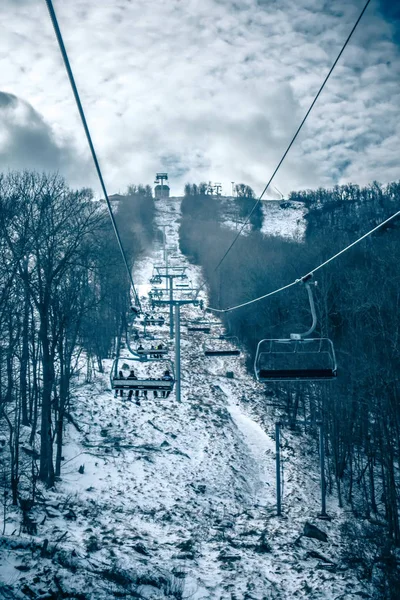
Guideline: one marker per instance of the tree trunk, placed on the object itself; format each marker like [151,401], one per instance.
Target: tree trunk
[23,379]
[46,469]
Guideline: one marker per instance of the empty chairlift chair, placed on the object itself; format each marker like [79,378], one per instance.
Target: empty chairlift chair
[222,346]
[298,358]
[199,326]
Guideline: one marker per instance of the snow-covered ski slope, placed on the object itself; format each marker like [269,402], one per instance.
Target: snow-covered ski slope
[282,222]
[178,499]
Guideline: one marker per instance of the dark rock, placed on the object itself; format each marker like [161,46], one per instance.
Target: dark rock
[185,556]
[141,549]
[314,532]
[226,556]
[70,515]
[263,546]
[22,568]
[186,546]
[81,469]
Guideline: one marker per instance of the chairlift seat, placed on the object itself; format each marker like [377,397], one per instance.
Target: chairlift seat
[200,329]
[159,321]
[150,351]
[222,352]
[150,383]
[142,384]
[308,359]
[222,345]
[295,374]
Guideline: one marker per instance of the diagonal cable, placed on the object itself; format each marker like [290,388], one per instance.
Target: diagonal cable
[64,54]
[294,137]
[296,281]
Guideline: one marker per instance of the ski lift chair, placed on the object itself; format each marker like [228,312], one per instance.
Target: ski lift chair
[151,384]
[298,358]
[155,279]
[146,353]
[222,345]
[153,321]
[156,293]
[199,326]
[152,354]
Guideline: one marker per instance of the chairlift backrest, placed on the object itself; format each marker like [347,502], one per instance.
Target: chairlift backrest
[149,383]
[309,359]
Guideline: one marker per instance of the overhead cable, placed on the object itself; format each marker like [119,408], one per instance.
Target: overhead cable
[310,273]
[293,138]
[89,139]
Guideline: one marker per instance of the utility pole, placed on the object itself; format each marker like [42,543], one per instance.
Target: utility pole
[278,469]
[165,254]
[178,351]
[169,275]
[171,303]
[323,514]
[177,304]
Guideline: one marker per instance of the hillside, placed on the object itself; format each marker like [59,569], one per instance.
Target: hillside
[178,499]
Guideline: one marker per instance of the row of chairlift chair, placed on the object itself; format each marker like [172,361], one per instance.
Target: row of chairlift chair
[216,345]
[297,358]
[143,354]
[164,384]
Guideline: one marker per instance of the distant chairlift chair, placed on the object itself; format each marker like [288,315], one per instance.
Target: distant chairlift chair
[136,385]
[152,354]
[145,353]
[155,279]
[222,345]
[299,358]
[200,326]
[153,321]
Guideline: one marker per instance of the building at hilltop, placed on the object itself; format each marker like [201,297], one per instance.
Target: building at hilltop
[161,189]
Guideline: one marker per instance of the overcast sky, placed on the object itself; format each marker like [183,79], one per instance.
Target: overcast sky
[203,89]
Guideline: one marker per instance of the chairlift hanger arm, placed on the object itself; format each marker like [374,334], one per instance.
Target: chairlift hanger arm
[300,336]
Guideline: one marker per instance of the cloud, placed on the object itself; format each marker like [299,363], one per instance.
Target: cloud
[28,142]
[210,90]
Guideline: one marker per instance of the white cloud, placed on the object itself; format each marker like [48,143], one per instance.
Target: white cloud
[212,89]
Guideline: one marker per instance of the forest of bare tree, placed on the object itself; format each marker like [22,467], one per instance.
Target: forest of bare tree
[65,296]
[357,300]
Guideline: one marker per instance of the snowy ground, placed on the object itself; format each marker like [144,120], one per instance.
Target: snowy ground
[284,222]
[277,221]
[178,499]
